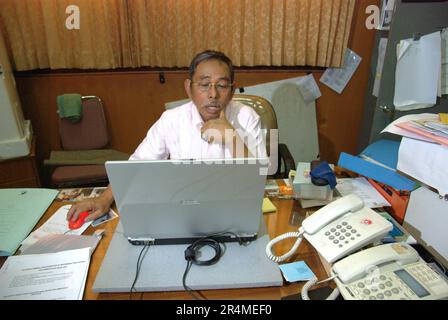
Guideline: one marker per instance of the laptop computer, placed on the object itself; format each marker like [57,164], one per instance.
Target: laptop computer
[180,201]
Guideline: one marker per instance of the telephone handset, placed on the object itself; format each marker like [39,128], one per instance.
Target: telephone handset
[391,271]
[337,229]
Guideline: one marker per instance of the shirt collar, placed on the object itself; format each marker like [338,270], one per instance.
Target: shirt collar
[196,116]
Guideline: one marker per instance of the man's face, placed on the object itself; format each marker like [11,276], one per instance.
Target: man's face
[210,100]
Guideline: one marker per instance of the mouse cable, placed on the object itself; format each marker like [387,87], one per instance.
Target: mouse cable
[192,250]
[141,256]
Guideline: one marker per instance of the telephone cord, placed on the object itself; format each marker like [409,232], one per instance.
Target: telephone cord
[333,295]
[282,237]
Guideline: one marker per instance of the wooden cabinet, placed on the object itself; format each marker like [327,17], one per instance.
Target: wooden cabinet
[20,172]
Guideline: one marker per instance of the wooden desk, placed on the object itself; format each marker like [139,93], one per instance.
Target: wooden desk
[277,223]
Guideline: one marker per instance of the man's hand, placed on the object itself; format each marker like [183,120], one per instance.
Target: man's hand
[95,206]
[214,130]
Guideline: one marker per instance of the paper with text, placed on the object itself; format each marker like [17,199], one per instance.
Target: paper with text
[50,276]
[361,187]
[338,78]
[57,224]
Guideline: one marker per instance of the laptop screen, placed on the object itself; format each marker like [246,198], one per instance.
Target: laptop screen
[177,201]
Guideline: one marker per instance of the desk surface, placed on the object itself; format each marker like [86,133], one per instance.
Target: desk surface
[285,219]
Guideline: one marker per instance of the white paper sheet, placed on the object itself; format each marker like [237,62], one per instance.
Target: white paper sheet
[417,73]
[57,224]
[50,276]
[444,75]
[379,66]
[387,10]
[392,128]
[426,162]
[361,187]
[308,88]
[338,78]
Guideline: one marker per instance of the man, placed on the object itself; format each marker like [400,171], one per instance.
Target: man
[210,126]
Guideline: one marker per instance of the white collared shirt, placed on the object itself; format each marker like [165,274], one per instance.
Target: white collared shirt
[177,135]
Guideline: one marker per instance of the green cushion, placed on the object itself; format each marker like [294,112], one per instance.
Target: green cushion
[85,157]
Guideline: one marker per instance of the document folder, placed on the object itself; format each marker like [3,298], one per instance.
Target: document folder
[375,172]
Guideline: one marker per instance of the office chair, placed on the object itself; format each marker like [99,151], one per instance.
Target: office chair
[269,121]
[81,162]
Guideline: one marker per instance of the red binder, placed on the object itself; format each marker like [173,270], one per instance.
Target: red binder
[398,199]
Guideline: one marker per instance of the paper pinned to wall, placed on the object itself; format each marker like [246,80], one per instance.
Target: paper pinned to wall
[308,88]
[338,78]
[444,75]
[387,10]
[379,66]
[418,72]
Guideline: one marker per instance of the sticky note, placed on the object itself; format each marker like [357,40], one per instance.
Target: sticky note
[443,118]
[268,206]
[296,271]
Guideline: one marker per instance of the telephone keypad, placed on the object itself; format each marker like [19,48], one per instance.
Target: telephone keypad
[387,286]
[341,234]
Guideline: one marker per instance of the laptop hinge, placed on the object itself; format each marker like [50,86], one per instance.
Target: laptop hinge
[141,241]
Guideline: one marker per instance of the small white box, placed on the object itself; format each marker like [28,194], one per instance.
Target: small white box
[305,189]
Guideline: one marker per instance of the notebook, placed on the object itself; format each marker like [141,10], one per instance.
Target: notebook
[180,201]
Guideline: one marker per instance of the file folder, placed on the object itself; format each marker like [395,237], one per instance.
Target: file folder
[375,172]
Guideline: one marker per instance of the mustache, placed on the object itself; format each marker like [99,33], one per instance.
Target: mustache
[214,104]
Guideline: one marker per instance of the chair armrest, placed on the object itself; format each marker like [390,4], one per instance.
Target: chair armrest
[84,157]
[285,157]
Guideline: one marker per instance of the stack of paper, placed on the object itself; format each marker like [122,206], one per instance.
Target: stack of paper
[423,150]
[49,276]
[425,126]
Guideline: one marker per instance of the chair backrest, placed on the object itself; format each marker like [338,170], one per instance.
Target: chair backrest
[90,132]
[264,109]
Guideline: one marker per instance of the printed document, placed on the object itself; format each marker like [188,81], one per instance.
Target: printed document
[50,276]
[361,187]
[57,224]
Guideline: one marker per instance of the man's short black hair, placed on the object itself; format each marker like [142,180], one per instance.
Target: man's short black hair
[210,55]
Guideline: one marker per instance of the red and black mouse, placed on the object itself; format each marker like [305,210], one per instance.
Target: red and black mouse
[76,224]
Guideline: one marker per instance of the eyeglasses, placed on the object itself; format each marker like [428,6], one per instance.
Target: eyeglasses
[221,87]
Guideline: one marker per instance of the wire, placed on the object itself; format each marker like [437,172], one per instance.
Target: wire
[333,295]
[191,256]
[282,237]
[141,256]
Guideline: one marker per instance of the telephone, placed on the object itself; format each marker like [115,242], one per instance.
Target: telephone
[336,230]
[391,271]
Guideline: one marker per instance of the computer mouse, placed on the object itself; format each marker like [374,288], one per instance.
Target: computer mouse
[76,224]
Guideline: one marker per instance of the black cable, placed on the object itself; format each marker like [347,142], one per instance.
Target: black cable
[139,265]
[191,251]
